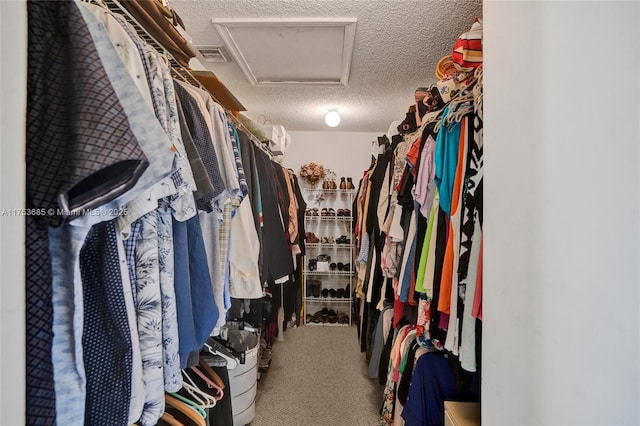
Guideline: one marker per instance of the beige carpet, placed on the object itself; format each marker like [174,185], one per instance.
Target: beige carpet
[318,377]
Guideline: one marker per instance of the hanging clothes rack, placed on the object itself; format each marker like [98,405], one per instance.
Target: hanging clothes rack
[177,70]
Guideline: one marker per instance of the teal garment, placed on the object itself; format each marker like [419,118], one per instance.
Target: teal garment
[445,158]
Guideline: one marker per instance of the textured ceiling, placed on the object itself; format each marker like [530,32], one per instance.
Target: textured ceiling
[398,44]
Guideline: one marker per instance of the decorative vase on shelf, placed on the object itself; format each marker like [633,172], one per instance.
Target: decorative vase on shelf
[343,184]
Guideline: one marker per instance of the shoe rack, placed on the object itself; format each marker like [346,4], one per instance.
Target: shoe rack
[329,271]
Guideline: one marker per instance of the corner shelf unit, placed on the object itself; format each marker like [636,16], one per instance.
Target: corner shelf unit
[328,230]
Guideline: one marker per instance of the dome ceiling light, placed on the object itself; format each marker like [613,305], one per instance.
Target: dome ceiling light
[332,119]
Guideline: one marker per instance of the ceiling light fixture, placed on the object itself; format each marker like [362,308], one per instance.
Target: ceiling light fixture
[332,118]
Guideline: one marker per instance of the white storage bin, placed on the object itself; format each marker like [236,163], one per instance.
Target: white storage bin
[243,380]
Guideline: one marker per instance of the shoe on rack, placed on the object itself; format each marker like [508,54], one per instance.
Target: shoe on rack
[325,292]
[324,315]
[340,293]
[350,183]
[333,293]
[312,264]
[311,238]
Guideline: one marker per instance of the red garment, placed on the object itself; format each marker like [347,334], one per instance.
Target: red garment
[412,156]
[398,311]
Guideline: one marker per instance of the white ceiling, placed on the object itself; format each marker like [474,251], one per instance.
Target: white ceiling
[397,46]
[289,51]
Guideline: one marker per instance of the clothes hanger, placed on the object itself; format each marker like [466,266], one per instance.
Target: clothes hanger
[197,399]
[202,398]
[216,348]
[183,411]
[168,419]
[212,373]
[208,382]
[458,114]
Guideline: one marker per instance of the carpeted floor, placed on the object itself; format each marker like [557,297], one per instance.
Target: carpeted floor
[318,377]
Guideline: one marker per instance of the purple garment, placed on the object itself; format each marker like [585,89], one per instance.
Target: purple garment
[426,173]
[444,321]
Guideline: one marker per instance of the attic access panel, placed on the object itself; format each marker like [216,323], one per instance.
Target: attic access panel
[302,51]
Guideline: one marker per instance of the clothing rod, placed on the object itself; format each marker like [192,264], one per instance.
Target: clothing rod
[177,70]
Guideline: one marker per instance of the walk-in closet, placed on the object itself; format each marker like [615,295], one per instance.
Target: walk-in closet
[319,212]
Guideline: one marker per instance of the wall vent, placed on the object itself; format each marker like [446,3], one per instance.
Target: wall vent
[214,53]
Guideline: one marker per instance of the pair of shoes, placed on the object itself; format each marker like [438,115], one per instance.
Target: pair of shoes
[324,258]
[343,318]
[328,212]
[325,292]
[311,212]
[339,266]
[343,240]
[328,240]
[315,318]
[332,316]
[311,238]
[344,212]
[313,264]
[350,184]
[324,314]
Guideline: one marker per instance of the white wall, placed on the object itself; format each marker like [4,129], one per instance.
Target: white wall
[346,153]
[561,284]
[13,45]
